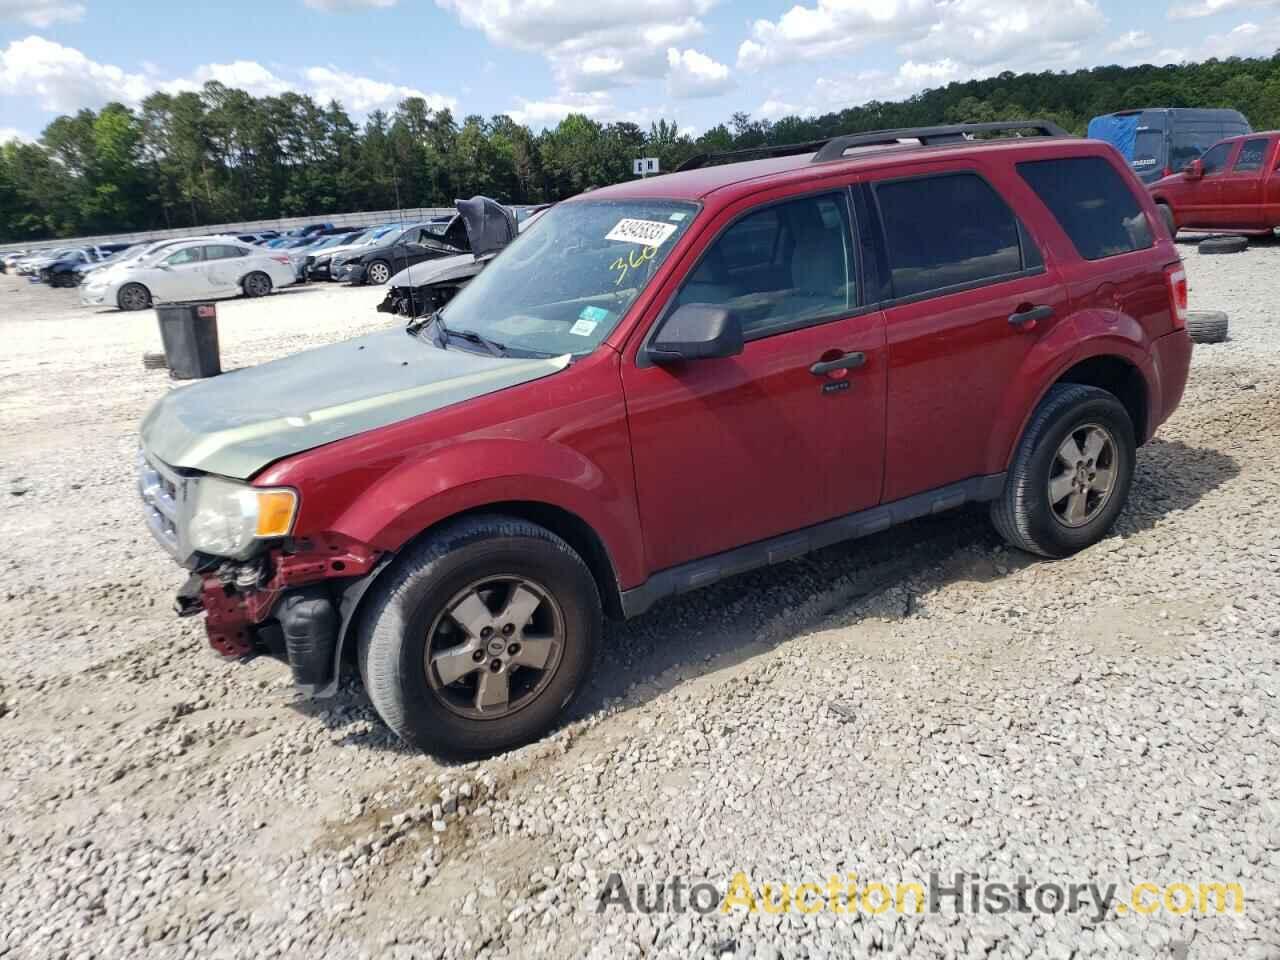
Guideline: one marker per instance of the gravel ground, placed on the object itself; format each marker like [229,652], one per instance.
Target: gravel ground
[920,701]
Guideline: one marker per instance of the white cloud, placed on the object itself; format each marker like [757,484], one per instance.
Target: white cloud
[691,73]
[10,133]
[246,75]
[62,79]
[591,46]
[362,94]
[1246,40]
[775,109]
[1206,8]
[1131,42]
[40,13]
[848,90]
[973,32]
[548,113]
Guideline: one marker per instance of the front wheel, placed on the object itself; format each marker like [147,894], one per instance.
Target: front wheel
[478,637]
[133,296]
[378,272]
[257,285]
[1071,473]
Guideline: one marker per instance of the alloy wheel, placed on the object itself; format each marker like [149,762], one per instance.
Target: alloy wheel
[495,647]
[379,273]
[1083,475]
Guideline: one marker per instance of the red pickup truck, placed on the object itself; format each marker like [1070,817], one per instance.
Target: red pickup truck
[1234,186]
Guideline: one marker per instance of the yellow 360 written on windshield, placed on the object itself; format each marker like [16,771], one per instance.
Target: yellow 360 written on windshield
[634,259]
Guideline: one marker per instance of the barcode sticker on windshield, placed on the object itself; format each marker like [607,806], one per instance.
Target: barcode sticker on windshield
[647,233]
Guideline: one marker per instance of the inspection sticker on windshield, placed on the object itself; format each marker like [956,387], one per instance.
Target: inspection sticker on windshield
[647,233]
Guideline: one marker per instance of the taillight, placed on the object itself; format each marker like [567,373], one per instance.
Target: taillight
[1176,277]
[280,258]
[1168,171]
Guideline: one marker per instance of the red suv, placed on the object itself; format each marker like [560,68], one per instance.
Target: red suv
[668,382]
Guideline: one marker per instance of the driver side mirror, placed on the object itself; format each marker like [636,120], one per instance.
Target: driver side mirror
[698,331]
[1194,170]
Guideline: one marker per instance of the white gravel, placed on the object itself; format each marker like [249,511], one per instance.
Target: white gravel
[923,700]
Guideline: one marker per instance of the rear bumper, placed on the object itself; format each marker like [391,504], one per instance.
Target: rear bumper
[1171,355]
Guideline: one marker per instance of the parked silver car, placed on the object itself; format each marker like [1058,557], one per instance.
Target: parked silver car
[189,270]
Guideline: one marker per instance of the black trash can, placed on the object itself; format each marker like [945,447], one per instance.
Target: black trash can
[189,332]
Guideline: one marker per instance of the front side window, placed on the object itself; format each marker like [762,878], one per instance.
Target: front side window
[189,255]
[947,231]
[780,267]
[563,287]
[1215,159]
[1094,206]
[1251,155]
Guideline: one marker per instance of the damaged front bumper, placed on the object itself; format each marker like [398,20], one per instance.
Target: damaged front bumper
[293,603]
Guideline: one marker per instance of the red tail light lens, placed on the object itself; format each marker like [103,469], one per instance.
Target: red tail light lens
[1176,277]
[280,258]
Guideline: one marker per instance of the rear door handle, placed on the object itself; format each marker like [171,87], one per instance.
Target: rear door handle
[848,362]
[1031,315]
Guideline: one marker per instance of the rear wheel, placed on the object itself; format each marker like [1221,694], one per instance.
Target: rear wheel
[257,284]
[378,272]
[133,296]
[478,637]
[1071,473]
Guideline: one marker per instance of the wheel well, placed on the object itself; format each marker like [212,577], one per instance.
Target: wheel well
[569,527]
[1118,377]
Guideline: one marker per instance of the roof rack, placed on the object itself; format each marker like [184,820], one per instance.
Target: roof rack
[835,147]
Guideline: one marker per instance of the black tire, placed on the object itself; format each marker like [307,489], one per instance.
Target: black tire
[1207,326]
[1166,214]
[1023,514]
[404,607]
[256,284]
[133,296]
[1216,245]
[377,273]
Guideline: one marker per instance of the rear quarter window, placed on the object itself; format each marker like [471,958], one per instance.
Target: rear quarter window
[1092,203]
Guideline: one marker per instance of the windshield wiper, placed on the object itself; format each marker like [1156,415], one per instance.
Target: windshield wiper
[493,346]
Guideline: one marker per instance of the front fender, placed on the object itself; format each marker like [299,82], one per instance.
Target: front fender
[1086,334]
[418,494]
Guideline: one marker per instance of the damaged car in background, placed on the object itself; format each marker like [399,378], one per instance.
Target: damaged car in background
[422,290]
[375,265]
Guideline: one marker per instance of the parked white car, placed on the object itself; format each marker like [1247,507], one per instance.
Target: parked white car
[202,269]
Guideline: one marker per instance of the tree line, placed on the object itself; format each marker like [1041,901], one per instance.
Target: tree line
[222,155]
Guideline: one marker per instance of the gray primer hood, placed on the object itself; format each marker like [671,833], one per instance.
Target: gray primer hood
[236,424]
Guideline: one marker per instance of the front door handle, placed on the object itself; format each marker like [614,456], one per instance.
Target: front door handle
[848,362]
[1027,318]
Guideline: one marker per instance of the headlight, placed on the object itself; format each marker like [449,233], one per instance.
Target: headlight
[228,518]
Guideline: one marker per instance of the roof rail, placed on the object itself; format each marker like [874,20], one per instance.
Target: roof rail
[750,153]
[834,147]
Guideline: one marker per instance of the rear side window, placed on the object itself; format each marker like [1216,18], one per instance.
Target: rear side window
[1251,155]
[1092,204]
[947,231]
[781,267]
[223,251]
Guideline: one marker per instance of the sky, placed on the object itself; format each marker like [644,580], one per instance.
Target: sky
[692,61]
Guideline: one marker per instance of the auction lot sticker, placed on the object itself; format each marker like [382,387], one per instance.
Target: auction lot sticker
[647,233]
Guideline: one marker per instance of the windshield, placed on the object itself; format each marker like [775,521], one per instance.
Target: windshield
[563,287]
